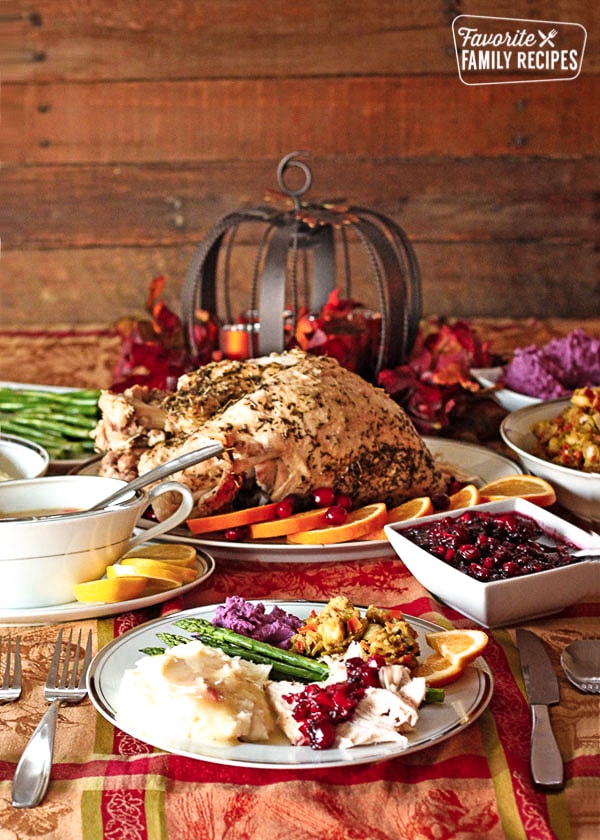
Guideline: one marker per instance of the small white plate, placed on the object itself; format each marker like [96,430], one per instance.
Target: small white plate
[76,610]
[465,700]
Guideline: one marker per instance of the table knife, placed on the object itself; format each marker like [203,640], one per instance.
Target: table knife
[542,691]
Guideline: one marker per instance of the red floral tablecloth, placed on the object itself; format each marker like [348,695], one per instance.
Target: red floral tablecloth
[106,784]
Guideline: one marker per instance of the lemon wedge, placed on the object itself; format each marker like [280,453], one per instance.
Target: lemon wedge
[178,554]
[156,570]
[110,590]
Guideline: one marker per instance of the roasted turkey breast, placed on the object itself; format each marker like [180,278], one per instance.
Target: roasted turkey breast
[289,422]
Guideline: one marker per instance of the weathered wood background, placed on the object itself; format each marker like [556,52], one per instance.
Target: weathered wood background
[130,127]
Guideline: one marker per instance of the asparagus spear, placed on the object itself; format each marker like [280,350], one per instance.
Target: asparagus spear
[282,660]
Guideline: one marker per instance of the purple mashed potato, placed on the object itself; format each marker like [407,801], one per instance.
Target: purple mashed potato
[276,627]
[554,371]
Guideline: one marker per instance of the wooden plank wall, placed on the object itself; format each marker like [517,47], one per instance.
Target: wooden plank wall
[130,128]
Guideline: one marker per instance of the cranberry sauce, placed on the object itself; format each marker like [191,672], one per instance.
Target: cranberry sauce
[491,546]
[319,708]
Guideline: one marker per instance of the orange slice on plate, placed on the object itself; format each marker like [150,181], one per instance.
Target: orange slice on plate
[177,554]
[412,509]
[359,522]
[530,487]
[459,647]
[467,496]
[421,506]
[110,590]
[303,521]
[437,670]
[234,519]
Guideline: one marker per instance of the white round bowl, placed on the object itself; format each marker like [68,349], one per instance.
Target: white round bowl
[41,559]
[577,491]
[21,458]
[501,602]
[509,400]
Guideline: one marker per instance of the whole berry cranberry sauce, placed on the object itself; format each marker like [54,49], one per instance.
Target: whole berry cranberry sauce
[491,546]
[319,708]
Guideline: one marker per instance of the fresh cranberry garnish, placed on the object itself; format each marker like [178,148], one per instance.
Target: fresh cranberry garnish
[336,515]
[238,534]
[343,500]
[284,509]
[323,496]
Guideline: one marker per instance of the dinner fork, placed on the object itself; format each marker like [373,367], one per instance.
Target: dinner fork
[32,775]
[10,689]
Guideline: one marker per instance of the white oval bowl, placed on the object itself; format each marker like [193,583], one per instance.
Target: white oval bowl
[577,491]
[501,602]
[508,399]
[22,458]
[42,559]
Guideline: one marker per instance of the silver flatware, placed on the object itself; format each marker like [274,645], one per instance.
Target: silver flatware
[10,687]
[32,775]
[541,682]
[580,661]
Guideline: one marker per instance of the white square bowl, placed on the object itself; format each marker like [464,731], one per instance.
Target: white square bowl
[510,601]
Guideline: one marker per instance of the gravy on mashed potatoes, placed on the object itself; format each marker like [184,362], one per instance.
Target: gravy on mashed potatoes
[197,693]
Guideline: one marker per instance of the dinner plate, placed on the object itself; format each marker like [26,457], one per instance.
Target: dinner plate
[467,460]
[55,465]
[465,700]
[76,610]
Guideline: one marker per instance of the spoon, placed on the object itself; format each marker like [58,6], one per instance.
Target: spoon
[580,661]
[182,462]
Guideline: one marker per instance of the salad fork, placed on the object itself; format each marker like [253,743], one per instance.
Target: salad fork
[10,688]
[32,775]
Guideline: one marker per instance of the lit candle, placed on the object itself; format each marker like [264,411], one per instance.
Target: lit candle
[238,341]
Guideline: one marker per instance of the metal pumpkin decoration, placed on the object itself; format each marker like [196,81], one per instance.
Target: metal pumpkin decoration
[302,261]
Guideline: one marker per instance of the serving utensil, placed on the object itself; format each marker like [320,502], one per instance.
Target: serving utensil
[10,688]
[32,775]
[542,690]
[182,462]
[153,476]
[580,661]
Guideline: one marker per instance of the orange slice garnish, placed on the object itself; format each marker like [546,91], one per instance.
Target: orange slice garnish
[530,487]
[459,647]
[359,522]
[234,519]
[303,521]
[412,509]
[437,670]
[421,506]
[467,496]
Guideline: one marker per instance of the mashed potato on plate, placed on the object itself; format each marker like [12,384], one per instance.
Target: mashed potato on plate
[198,693]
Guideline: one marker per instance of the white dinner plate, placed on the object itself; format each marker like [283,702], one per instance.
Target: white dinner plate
[479,464]
[464,702]
[76,610]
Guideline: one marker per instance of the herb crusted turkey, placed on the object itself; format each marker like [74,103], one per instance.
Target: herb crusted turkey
[289,422]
